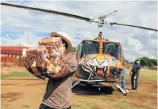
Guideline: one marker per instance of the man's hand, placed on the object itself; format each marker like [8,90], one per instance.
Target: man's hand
[63,72]
[131,72]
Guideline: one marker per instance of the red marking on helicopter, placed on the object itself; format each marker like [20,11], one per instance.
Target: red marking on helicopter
[100,71]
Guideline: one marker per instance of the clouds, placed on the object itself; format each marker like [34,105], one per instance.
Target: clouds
[28,39]
[34,25]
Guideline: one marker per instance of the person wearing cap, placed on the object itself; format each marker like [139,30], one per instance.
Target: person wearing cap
[58,91]
[135,74]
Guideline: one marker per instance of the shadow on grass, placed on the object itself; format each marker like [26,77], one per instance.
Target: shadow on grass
[92,90]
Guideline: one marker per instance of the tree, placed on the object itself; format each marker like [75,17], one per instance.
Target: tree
[74,49]
[145,61]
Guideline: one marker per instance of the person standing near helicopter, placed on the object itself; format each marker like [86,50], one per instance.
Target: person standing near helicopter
[123,79]
[58,91]
[135,74]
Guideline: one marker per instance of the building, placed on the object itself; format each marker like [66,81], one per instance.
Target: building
[11,53]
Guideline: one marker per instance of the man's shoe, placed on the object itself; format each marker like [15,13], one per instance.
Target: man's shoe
[133,90]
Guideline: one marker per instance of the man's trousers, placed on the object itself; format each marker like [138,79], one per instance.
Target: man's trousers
[134,81]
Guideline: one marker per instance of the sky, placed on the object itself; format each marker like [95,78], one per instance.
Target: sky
[25,27]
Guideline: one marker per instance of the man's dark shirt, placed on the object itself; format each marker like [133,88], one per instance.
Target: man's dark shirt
[136,68]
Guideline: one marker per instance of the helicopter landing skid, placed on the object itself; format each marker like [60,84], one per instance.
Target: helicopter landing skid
[87,81]
[120,88]
[75,84]
[117,86]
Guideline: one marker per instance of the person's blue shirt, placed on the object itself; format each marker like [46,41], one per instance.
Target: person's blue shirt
[136,67]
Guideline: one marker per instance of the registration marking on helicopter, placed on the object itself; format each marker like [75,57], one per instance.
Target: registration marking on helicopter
[100,72]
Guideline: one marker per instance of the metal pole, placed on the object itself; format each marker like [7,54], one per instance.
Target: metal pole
[118,87]
[76,83]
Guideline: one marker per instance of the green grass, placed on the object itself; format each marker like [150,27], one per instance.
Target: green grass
[17,74]
[146,75]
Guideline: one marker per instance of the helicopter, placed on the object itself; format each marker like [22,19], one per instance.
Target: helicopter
[99,60]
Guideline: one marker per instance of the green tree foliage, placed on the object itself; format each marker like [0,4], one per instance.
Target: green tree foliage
[145,61]
[74,49]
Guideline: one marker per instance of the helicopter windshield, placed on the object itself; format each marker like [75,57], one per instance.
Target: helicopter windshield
[111,49]
[89,47]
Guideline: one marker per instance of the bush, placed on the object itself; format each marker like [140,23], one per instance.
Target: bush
[148,62]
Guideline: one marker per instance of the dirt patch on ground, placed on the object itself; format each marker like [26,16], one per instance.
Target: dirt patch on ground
[22,94]
[28,93]
[7,70]
[9,97]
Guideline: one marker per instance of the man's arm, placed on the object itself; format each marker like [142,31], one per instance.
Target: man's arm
[68,67]
[131,72]
[63,72]
[139,67]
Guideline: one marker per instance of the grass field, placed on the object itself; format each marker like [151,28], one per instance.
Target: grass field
[21,90]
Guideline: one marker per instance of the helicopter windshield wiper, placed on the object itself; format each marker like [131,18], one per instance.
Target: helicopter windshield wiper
[48,11]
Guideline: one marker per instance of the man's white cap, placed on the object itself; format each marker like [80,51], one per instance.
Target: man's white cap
[64,37]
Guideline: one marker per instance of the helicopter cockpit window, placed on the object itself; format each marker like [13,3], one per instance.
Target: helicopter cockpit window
[89,47]
[112,49]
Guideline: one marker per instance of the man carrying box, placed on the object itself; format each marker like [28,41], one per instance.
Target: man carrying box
[58,91]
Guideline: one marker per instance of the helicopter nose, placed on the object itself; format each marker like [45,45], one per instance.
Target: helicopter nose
[100,58]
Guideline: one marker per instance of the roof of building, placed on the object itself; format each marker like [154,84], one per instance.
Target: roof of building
[18,48]
[13,48]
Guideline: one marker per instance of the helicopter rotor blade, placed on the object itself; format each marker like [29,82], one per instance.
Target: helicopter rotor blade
[96,20]
[114,23]
[48,11]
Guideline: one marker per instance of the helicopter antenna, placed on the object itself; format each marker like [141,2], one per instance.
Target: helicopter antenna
[101,24]
[104,16]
